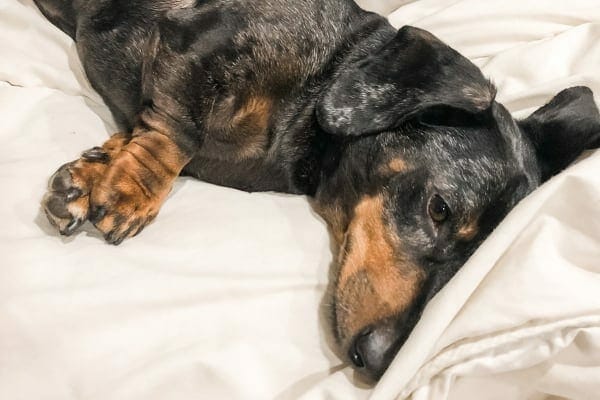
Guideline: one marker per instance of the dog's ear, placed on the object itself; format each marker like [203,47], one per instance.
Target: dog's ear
[562,129]
[413,72]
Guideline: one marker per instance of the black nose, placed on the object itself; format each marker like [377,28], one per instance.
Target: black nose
[373,349]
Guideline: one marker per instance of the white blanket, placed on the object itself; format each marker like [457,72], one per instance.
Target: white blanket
[220,297]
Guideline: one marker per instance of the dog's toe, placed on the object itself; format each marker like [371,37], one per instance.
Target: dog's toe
[66,205]
[65,215]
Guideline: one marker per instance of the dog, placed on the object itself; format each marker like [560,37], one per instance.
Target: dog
[395,137]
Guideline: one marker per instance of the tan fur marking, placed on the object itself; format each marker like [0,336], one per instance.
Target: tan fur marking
[113,145]
[138,180]
[84,173]
[397,165]
[392,167]
[255,112]
[335,218]
[79,207]
[145,168]
[238,132]
[468,230]
[250,125]
[376,281]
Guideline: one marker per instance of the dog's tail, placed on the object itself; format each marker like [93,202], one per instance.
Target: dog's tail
[61,13]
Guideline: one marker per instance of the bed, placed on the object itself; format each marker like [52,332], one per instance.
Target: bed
[222,296]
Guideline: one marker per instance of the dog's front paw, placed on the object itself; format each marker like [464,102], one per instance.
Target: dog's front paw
[132,190]
[66,203]
[120,210]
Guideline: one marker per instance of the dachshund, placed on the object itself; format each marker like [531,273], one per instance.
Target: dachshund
[395,137]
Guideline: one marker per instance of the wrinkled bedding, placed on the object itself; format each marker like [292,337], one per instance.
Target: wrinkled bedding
[222,296]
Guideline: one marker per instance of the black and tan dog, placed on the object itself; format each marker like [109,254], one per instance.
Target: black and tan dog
[395,136]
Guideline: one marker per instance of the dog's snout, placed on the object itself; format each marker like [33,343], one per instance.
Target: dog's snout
[373,349]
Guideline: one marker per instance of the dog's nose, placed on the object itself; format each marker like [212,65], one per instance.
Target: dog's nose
[373,349]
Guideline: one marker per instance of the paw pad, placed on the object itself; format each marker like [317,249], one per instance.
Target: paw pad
[65,204]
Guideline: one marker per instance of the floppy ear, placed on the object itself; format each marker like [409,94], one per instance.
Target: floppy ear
[562,129]
[412,72]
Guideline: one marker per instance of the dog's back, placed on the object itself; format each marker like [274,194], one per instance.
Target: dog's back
[266,45]
[245,73]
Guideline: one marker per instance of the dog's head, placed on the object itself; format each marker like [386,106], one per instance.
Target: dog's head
[429,165]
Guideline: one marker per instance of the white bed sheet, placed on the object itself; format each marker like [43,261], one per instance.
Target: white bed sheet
[220,297]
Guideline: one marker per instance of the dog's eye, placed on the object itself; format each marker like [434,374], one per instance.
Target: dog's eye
[438,209]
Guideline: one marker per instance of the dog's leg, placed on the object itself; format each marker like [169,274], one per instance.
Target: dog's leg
[67,201]
[131,191]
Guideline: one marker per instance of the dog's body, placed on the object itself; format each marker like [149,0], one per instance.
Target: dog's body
[260,67]
[395,136]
